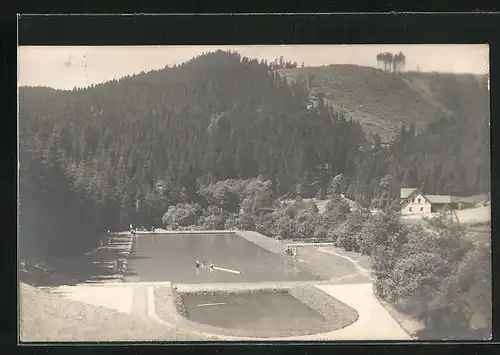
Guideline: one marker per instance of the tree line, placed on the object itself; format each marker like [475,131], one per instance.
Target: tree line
[391,62]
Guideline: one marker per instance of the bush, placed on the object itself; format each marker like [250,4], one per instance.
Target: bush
[466,291]
[444,277]
[383,229]
[335,214]
[284,227]
[231,222]
[246,222]
[181,215]
[347,242]
[320,232]
[214,218]
[354,225]
[304,229]
[265,225]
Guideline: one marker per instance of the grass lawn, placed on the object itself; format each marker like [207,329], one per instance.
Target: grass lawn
[51,317]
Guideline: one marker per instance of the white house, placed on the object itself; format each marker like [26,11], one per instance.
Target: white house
[413,202]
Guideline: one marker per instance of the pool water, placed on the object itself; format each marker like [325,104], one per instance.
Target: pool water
[172,257]
[264,312]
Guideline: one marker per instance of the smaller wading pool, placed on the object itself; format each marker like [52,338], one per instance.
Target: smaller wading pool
[262,313]
[267,312]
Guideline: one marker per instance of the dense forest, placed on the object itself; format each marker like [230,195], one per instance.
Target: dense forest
[128,150]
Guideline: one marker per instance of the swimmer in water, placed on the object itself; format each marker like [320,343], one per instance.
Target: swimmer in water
[203,264]
[197,264]
[211,265]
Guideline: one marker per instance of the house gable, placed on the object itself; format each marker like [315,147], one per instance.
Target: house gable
[407,194]
[417,199]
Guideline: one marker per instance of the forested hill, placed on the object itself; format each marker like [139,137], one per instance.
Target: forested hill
[126,150]
[382,101]
[218,115]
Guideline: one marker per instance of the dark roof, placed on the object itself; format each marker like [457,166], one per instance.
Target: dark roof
[439,198]
[407,191]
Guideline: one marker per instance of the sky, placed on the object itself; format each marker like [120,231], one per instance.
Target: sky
[63,67]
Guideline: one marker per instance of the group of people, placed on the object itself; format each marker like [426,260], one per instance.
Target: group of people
[119,265]
[202,265]
[293,252]
[133,230]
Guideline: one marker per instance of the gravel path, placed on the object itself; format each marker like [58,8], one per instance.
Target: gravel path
[374,322]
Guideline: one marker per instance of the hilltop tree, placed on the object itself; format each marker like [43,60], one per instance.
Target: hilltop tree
[391,62]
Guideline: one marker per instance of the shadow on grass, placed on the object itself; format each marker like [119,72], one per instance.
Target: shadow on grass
[453,332]
[48,279]
[79,272]
[130,273]
[133,256]
[441,324]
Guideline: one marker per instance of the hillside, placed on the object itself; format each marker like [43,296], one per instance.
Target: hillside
[383,101]
[126,151]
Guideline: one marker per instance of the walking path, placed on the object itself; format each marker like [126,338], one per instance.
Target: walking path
[355,263]
[140,301]
[104,296]
[374,322]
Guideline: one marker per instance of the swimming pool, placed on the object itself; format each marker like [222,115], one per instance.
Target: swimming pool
[172,257]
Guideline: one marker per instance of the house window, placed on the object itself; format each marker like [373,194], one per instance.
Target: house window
[421,209]
[410,209]
[413,200]
[419,200]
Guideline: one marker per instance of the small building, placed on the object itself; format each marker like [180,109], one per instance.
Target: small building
[441,202]
[414,202]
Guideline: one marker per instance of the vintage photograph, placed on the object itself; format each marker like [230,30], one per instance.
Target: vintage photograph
[264,192]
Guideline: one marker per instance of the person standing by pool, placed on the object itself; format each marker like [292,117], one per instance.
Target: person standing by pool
[197,267]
